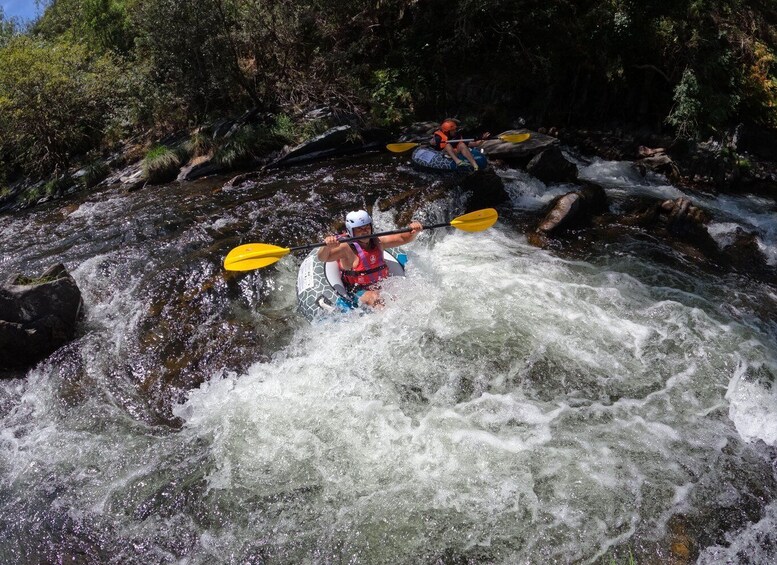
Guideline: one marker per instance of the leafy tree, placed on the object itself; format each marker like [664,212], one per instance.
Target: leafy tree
[55,101]
[8,29]
[103,25]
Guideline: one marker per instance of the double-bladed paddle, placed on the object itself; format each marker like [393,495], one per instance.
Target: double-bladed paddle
[258,255]
[508,137]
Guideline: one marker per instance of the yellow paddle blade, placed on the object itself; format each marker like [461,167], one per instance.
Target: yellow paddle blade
[478,220]
[401,147]
[514,137]
[253,256]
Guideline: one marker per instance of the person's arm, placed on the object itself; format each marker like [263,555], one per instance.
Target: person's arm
[397,239]
[333,250]
[480,140]
[436,140]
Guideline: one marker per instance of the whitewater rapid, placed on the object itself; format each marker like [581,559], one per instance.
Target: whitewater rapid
[509,404]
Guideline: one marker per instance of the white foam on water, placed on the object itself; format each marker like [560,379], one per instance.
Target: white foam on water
[621,178]
[538,405]
[528,193]
[753,406]
[505,406]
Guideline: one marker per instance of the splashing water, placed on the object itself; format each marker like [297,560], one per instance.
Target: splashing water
[507,405]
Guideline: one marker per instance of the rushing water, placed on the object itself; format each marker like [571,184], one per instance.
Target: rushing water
[509,405]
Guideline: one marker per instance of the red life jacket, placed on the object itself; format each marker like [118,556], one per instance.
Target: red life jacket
[443,139]
[369,269]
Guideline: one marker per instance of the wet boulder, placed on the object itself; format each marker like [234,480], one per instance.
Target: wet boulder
[677,221]
[200,167]
[37,316]
[658,162]
[518,153]
[574,209]
[337,141]
[551,166]
[745,254]
[683,218]
[486,190]
[419,132]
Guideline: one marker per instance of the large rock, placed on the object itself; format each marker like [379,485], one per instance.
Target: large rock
[518,152]
[340,140]
[658,162]
[756,140]
[745,254]
[683,218]
[574,209]
[551,166]
[486,190]
[200,167]
[37,316]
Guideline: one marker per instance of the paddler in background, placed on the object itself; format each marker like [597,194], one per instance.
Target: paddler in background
[445,139]
[361,261]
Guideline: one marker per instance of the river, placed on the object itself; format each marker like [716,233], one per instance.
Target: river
[610,402]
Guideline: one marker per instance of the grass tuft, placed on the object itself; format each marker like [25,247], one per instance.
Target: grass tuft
[162,164]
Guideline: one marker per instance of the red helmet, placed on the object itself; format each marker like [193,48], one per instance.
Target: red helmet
[448,125]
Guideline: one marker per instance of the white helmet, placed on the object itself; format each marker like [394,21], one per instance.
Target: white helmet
[356,220]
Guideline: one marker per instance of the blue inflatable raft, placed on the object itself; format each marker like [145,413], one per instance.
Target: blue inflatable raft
[432,159]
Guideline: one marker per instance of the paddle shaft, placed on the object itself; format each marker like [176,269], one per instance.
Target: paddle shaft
[452,141]
[371,236]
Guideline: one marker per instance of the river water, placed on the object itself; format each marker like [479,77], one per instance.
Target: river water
[611,404]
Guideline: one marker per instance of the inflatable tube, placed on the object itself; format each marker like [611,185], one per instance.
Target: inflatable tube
[428,158]
[320,288]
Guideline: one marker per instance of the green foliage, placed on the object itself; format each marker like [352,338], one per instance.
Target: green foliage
[686,114]
[240,148]
[92,71]
[285,128]
[760,83]
[392,103]
[246,144]
[199,144]
[103,25]
[55,100]
[8,29]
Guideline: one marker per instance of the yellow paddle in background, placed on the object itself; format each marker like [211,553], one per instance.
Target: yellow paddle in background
[258,255]
[508,137]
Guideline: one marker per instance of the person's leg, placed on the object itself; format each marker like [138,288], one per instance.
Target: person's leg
[452,153]
[464,150]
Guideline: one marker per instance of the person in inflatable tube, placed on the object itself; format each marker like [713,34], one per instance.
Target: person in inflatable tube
[445,139]
[361,262]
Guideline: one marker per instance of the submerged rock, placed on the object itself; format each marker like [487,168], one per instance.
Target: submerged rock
[37,316]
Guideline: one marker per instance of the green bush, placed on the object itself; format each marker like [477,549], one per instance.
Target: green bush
[250,142]
[685,116]
[392,103]
[239,149]
[55,100]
